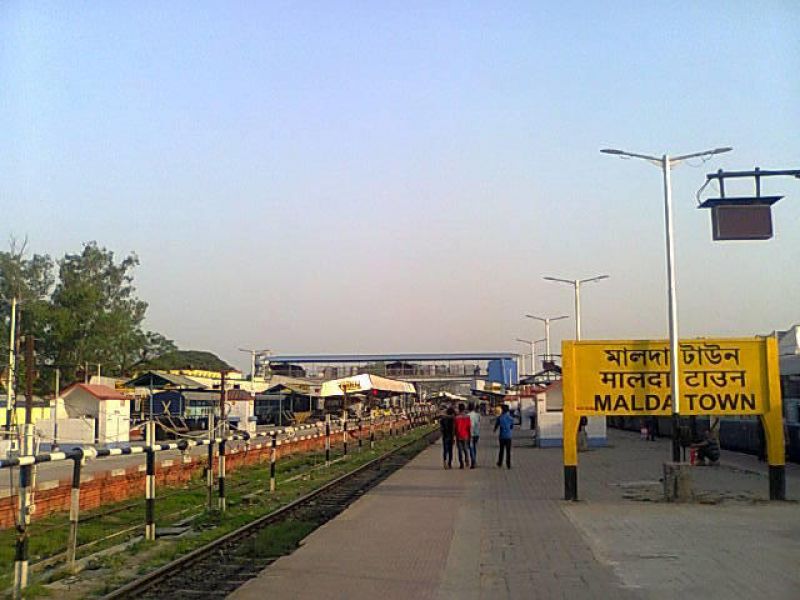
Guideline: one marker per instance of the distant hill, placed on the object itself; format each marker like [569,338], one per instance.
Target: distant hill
[186,359]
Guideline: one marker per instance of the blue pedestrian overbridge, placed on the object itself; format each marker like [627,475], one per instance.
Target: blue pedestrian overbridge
[500,367]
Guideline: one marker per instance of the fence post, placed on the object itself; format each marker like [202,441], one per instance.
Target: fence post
[74,509]
[360,441]
[222,475]
[24,500]
[150,495]
[344,433]
[210,474]
[327,440]
[21,550]
[272,458]
[371,432]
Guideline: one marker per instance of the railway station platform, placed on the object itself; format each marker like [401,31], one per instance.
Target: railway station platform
[490,533]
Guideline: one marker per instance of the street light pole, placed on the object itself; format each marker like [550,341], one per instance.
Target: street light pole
[533,351]
[522,341]
[546,321]
[576,283]
[533,355]
[665,163]
[577,310]
[12,366]
[252,365]
[673,310]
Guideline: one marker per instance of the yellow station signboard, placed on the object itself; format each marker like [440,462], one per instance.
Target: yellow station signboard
[730,376]
[632,377]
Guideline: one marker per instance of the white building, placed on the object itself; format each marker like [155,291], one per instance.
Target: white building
[109,408]
[550,420]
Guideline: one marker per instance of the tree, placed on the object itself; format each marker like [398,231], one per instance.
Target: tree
[89,315]
[96,317]
[186,359]
[29,280]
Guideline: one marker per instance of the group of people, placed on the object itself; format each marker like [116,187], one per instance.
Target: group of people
[462,429]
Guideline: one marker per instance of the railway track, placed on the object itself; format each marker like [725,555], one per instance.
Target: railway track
[218,568]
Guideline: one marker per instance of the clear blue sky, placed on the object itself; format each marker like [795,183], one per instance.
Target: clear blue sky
[397,176]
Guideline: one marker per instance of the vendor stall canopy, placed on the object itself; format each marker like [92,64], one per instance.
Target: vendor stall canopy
[366,383]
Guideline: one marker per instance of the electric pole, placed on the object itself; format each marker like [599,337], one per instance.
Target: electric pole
[12,364]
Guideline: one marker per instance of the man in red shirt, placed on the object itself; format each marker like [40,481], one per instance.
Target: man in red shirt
[463,426]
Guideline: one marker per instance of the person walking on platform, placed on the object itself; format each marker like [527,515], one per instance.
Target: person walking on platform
[505,424]
[475,427]
[652,428]
[447,427]
[463,435]
[583,437]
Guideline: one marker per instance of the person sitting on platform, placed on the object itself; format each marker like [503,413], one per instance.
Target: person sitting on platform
[707,449]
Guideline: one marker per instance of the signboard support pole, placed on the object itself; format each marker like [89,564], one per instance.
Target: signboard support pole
[773,426]
[777,482]
[570,422]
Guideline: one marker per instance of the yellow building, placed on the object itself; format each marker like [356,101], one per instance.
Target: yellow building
[41,410]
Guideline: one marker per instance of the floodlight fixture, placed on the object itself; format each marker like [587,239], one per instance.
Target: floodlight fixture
[742,217]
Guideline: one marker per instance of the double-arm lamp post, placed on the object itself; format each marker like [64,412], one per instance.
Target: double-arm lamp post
[665,163]
[533,351]
[546,321]
[576,283]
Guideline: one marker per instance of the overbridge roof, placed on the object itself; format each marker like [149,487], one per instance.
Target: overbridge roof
[413,357]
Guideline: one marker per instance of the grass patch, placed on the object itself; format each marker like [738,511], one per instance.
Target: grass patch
[279,539]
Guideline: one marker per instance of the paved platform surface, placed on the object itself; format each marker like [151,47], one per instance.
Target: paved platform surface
[493,533]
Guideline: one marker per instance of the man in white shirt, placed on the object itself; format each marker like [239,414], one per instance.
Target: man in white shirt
[475,419]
